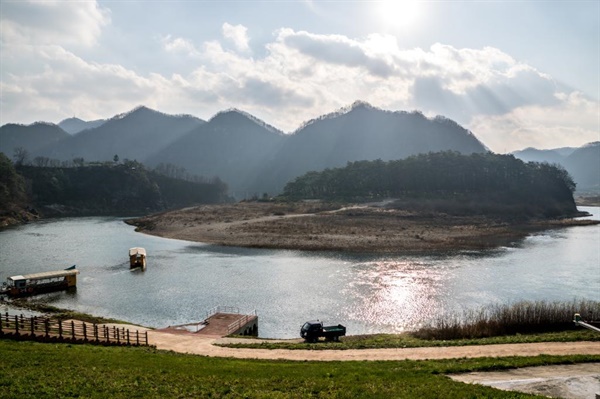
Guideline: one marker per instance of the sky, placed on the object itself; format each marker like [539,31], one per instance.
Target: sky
[516,73]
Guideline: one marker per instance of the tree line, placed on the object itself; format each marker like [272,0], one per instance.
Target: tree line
[125,188]
[495,182]
[21,157]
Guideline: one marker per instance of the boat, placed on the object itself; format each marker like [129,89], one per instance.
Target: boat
[137,258]
[40,283]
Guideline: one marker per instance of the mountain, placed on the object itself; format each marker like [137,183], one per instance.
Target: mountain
[132,135]
[76,125]
[534,155]
[30,137]
[583,163]
[584,166]
[253,157]
[232,145]
[363,132]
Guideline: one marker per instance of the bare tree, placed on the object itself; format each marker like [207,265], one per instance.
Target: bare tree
[41,162]
[20,156]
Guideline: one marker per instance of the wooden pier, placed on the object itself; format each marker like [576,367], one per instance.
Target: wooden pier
[221,321]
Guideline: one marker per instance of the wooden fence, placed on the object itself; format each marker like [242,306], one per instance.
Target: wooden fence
[55,330]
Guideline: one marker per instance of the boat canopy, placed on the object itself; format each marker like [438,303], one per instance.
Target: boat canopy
[137,251]
[44,275]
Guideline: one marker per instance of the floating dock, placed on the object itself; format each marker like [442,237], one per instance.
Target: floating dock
[222,321]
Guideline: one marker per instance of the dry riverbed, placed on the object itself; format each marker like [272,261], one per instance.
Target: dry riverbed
[323,226]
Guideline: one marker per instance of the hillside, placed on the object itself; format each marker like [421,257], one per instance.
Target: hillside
[14,205]
[232,145]
[583,164]
[486,184]
[32,137]
[123,189]
[76,125]
[363,132]
[253,157]
[133,135]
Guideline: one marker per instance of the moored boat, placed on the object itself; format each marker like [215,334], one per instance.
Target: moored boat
[40,283]
[137,258]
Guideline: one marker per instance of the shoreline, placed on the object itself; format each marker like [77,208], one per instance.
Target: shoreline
[329,227]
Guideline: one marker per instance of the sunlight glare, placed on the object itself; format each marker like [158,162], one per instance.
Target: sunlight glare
[399,13]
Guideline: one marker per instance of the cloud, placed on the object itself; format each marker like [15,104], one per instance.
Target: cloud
[499,94]
[52,22]
[300,76]
[571,121]
[237,35]
[179,45]
[336,49]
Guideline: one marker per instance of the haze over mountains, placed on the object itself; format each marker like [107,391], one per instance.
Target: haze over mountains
[76,125]
[582,163]
[251,156]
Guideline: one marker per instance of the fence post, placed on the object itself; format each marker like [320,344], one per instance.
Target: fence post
[146,338]
[96,332]
[17,325]
[137,336]
[128,343]
[32,327]
[47,327]
[73,330]
[0,324]
[60,329]
[85,331]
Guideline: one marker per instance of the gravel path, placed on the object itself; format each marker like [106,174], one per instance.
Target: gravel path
[204,345]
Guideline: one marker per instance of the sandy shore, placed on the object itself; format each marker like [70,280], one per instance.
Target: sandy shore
[353,228]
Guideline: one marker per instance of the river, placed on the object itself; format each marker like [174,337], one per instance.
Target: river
[367,293]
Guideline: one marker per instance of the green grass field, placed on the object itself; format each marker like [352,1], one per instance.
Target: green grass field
[34,370]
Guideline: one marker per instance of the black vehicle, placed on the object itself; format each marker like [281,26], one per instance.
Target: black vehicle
[312,330]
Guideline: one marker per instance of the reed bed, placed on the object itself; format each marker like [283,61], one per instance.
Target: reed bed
[524,317]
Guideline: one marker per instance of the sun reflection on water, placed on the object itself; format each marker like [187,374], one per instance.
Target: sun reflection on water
[401,295]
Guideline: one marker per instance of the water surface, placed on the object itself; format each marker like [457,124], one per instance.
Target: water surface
[366,293]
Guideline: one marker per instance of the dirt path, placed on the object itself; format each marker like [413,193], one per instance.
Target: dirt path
[205,345]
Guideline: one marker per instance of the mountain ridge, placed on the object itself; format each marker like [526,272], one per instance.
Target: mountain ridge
[250,155]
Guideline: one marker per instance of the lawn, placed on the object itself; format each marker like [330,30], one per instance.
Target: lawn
[35,370]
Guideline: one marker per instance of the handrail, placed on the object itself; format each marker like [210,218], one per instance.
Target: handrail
[221,309]
[236,325]
[577,320]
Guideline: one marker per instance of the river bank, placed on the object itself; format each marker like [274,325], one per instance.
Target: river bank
[329,227]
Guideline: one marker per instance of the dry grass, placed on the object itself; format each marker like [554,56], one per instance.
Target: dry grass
[518,318]
[329,226]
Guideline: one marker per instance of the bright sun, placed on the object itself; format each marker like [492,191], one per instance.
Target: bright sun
[399,13]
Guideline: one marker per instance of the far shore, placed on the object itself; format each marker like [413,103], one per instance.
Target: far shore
[329,227]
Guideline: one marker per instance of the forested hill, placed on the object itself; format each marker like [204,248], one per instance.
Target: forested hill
[13,199]
[448,182]
[126,188]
